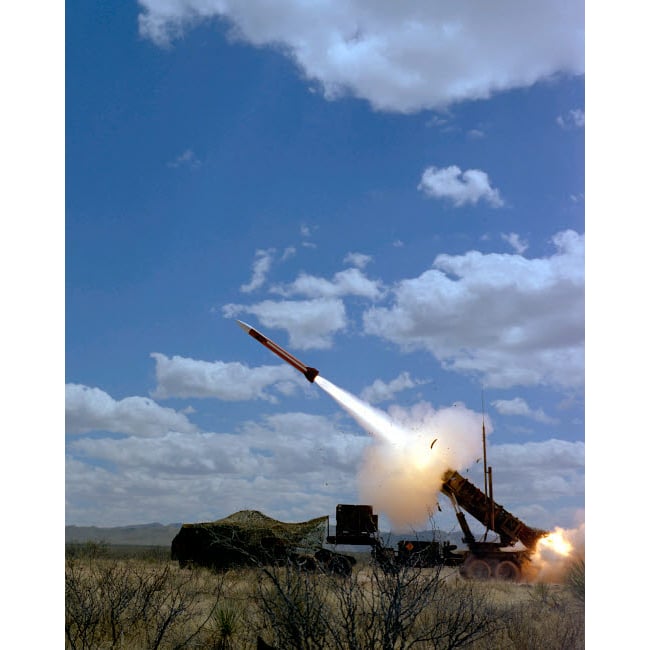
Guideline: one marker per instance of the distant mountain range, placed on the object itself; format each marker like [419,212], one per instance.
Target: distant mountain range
[139,535]
[161,535]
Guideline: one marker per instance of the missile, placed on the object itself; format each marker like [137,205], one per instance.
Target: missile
[310,373]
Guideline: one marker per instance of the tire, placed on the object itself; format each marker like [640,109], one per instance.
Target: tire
[306,563]
[340,566]
[478,570]
[507,570]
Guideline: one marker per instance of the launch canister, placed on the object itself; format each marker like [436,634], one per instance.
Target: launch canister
[310,373]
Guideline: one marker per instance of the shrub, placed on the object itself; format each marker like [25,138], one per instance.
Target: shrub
[137,604]
[575,579]
[113,603]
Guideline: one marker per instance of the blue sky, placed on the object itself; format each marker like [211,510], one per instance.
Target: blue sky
[395,195]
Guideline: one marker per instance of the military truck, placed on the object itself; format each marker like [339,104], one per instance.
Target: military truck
[486,559]
[250,538]
[357,525]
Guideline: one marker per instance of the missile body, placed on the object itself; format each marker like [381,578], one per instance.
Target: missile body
[310,373]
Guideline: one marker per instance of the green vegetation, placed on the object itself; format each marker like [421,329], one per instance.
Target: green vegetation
[117,600]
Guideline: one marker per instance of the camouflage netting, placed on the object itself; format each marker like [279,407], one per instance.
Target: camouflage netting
[246,537]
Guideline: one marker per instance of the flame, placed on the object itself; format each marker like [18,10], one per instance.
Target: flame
[555,554]
[556,542]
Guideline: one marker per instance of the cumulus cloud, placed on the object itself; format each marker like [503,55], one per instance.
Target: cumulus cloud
[520,246]
[183,377]
[91,409]
[400,56]
[310,324]
[187,159]
[380,391]
[349,282]
[549,469]
[575,118]
[292,466]
[519,406]
[460,187]
[475,134]
[305,231]
[437,121]
[506,319]
[261,266]
[357,259]
[288,253]
[542,483]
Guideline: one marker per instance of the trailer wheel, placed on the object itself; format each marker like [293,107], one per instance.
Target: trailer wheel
[306,563]
[507,570]
[477,570]
[340,566]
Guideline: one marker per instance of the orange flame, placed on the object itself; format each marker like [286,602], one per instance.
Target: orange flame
[556,542]
[554,554]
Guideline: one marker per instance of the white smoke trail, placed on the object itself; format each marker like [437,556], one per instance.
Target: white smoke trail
[402,469]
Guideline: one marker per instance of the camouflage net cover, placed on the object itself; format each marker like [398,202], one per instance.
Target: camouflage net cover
[253,526]
[247,536]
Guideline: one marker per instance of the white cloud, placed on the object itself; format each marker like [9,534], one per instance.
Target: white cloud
[515,241]
[186,159]
[357,259]
[183,377]
[400,56]
[380,391]
[519,406]
[349,282]
[91,409]
[261,266]
[541,483]
[550,469]
[461,187]
[288,252]
[475,134]
[509,320]
[309,323]
[436,121]
[575,118]
[293,466]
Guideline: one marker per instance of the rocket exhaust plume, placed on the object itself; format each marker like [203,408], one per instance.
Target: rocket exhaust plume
[402,470]
[411,450]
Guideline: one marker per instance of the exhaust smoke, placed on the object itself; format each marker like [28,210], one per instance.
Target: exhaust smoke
[556,554]
[402,469]
[411,450]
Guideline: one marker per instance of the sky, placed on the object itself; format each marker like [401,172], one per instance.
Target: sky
[393,192]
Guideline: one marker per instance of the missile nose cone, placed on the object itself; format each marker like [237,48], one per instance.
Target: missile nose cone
[247,328]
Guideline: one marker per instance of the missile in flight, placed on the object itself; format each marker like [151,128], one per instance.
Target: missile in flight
[310,373]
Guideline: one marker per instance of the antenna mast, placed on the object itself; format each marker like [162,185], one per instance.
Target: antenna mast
[485,471]
[487,478]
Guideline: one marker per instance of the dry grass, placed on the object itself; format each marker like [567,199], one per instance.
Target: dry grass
[147,603]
